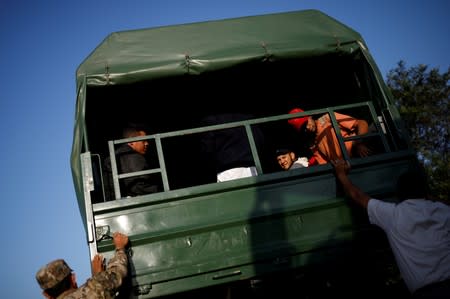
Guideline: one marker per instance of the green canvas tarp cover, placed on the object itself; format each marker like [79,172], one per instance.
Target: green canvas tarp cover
[198,48]
[130,56]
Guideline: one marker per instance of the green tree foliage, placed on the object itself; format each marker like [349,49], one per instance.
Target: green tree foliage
[422,97]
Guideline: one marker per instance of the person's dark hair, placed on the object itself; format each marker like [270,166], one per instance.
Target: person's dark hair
[283,151]
[132,131]
[60,287]
[412,184]
[129,132]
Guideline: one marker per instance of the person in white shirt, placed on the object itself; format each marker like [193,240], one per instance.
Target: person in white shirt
[418,231]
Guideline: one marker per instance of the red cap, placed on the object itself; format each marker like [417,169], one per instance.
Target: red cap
[297,123]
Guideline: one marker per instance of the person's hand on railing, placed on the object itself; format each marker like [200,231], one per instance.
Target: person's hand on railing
[361,149]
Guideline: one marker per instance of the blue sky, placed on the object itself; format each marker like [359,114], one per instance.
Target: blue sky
[42,44]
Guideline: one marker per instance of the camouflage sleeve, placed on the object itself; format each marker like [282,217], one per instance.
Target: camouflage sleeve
[119,263]
[106,283]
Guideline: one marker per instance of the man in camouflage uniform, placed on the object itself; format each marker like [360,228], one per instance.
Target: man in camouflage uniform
[58,282]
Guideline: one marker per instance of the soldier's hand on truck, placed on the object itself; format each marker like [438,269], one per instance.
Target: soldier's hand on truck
[97,264]
[120,240]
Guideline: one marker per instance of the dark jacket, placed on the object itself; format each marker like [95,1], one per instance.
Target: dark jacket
[229,148]
[128,160]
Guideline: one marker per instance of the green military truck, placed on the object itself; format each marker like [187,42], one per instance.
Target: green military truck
[196,233]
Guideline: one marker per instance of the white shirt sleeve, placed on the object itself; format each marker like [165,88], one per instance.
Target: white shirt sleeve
[381,213]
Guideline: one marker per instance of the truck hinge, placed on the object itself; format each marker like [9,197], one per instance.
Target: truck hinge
[102,233]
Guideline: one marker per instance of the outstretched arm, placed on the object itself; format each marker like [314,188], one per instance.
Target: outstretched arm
[341,168]
[110,279]
[119,262]
[120,242]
